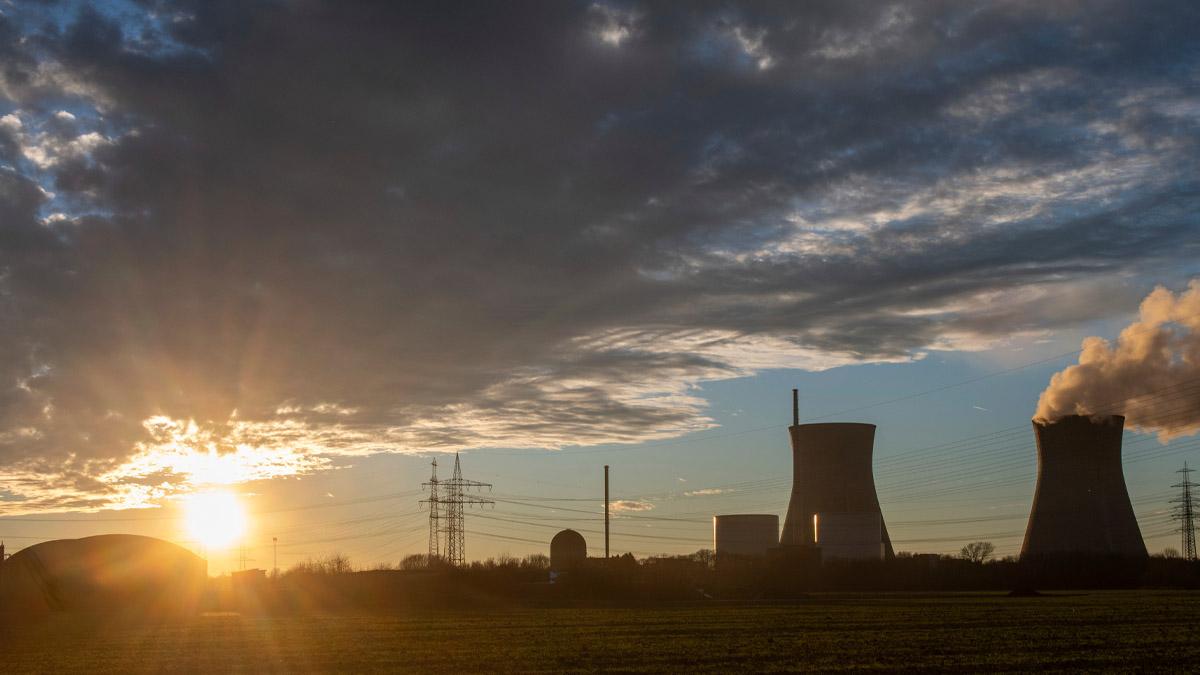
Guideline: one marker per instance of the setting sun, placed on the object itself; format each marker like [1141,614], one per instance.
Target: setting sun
[215,519]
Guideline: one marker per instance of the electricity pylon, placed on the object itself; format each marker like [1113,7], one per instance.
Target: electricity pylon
[435,507]
[456,498]
[1185,512]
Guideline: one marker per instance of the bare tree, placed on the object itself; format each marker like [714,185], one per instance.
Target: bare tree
[335,563]
[536,561]
[977,551]
[416,561]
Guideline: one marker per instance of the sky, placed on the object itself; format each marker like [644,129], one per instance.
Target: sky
[297,250]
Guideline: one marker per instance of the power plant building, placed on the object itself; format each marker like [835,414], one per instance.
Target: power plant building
[568,550]
[1081,504]
[131,573]
[745,534]
[849,536]
[832,474]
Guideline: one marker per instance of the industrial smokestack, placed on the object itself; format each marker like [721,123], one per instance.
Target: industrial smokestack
[795,407]
[605,511]
[831,473]
[1081,505]
[1150,375]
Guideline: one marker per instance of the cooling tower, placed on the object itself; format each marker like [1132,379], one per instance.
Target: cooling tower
[831,473]
[1080,505]
[748,534]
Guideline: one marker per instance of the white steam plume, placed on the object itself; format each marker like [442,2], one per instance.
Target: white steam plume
[1152,375]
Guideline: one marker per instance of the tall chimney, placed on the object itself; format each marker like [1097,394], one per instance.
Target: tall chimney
[795,407]
[606,511]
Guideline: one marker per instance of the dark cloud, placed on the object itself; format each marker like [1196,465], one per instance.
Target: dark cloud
[358,227]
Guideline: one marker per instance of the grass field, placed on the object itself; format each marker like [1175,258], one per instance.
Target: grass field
[975,632]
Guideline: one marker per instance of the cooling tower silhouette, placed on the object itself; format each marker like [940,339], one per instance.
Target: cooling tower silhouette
[1080,505]
[831,474]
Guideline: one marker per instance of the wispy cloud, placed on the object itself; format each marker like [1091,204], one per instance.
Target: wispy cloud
[706,492]
[630,505]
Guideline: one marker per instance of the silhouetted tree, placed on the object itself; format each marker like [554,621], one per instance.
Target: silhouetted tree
[334,563]
[977,551]
[704,556]
[416,561]
[536,561]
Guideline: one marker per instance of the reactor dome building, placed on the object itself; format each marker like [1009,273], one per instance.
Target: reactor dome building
[568,551]
[1081,504]
[833,480]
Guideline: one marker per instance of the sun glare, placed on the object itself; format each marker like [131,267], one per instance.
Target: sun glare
[215,519]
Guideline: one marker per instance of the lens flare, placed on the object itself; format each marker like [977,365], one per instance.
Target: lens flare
[215,519]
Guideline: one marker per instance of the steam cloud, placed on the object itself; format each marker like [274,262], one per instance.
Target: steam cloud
[1152,375]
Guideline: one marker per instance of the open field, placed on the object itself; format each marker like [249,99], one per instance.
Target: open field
[976,632]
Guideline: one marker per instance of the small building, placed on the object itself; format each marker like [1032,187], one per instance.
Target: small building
[745,534]
[568,551]
[849,536]
[249,577]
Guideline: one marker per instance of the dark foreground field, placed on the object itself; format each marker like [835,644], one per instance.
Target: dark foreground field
[1099,630]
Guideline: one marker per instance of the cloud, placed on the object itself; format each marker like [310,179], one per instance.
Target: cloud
[551,229]
[705,492]
[624,505]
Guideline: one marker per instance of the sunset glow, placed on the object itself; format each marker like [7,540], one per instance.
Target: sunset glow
[215,520]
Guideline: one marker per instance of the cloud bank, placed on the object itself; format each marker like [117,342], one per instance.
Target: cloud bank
[289,232]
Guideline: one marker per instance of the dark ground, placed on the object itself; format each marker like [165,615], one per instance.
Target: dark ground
[1112,630]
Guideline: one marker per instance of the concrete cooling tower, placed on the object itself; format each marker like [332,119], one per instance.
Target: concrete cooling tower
[745,534]
[831,473]
[1080,505]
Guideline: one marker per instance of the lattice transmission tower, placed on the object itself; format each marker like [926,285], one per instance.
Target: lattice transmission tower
[435,508]
[455,500]
[1185,512]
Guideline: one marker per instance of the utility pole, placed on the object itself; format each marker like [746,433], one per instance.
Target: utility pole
[1185,512]
[435,507]
[606,511]
[456,498]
